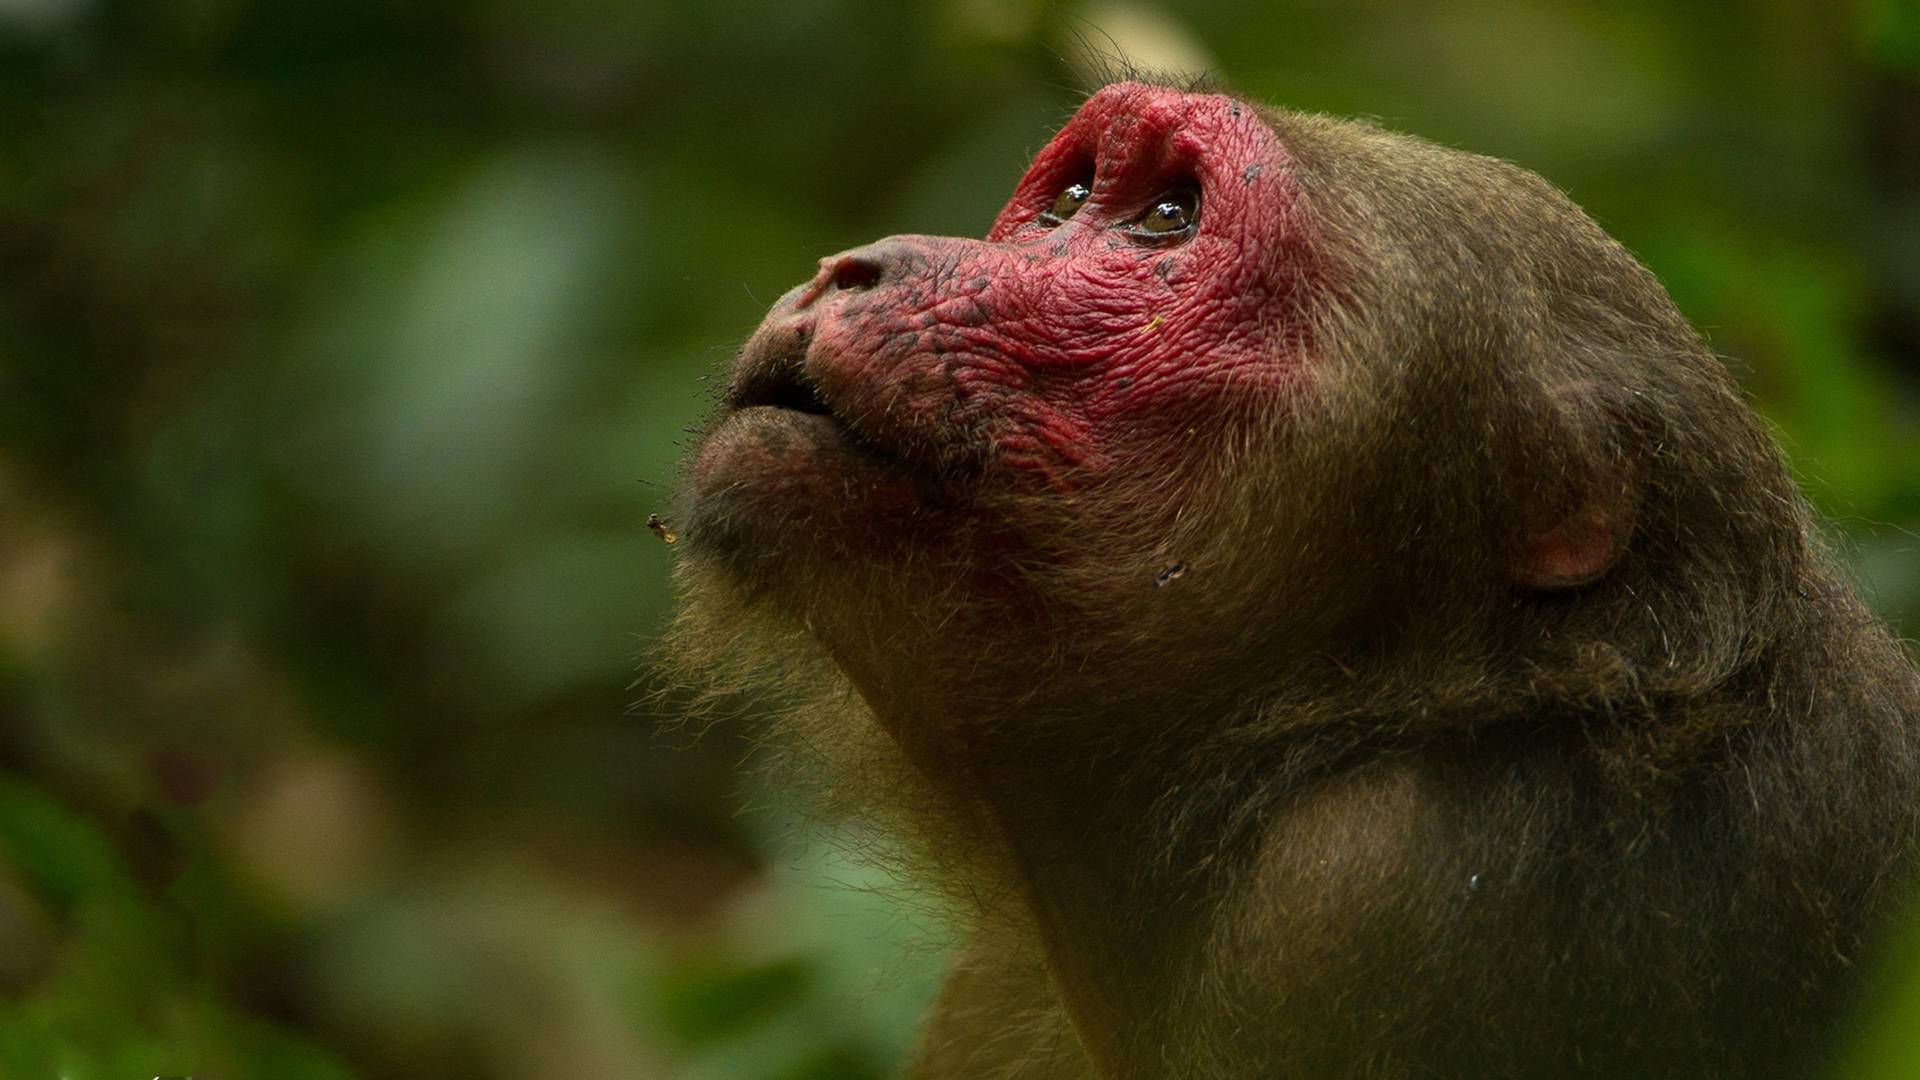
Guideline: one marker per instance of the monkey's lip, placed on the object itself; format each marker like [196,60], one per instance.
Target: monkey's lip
[779,380]
[778,423]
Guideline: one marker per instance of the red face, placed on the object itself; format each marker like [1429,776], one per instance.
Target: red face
[1147,282]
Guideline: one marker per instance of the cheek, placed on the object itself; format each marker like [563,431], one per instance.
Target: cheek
[1051,371]
[1166,386]
[1195,355]
[1159,411]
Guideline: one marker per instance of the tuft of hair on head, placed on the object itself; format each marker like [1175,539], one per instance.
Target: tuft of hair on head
[1099,61]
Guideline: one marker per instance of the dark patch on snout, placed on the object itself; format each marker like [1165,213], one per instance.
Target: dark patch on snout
[971,312]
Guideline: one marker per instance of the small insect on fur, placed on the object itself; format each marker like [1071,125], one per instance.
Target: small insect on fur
[658,526]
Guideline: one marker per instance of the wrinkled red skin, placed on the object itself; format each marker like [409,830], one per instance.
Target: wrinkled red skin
[1046,355]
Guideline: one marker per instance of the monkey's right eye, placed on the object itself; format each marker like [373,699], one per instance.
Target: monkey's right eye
[1066,204]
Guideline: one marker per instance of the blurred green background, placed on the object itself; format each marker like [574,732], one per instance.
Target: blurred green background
[345,347]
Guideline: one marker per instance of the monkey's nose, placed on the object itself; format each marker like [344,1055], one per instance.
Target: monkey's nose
[859,269]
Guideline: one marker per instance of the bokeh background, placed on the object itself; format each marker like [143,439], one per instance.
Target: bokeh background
[345,347]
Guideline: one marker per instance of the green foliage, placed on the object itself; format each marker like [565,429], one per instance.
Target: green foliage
[118,993]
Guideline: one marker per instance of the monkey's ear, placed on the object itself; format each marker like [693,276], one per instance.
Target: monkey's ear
[1580,547]
[1578,532]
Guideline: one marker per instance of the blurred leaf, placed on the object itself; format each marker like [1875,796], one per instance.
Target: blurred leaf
[57,851]
[1891,30]
[703,1002]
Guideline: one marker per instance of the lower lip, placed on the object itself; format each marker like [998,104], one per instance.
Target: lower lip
[766,440]
[798,470]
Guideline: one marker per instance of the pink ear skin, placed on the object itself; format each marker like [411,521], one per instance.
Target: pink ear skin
[1578,549]
[1576,537]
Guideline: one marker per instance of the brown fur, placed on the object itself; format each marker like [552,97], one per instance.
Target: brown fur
[1340,799]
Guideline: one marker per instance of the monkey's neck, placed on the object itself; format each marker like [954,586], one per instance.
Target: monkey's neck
[1114,896]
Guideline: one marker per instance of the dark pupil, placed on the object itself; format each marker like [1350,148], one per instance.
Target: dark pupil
[1067,202]
[1172,215]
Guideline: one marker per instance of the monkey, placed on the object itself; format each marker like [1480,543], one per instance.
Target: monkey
[1312,607]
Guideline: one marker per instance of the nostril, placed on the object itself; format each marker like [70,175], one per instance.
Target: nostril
[853,272]
[863,268]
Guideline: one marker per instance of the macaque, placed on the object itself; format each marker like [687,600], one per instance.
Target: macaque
[1313,608]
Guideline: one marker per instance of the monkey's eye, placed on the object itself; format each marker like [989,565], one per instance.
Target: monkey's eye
[1067,203]
[1170,216]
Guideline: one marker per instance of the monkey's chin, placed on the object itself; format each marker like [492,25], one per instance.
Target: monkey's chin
[771,483]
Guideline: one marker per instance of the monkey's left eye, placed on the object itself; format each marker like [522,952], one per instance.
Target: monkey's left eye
[1067,203]
[1170,216]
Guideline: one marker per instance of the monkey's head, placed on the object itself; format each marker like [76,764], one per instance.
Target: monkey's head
[1236,391]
